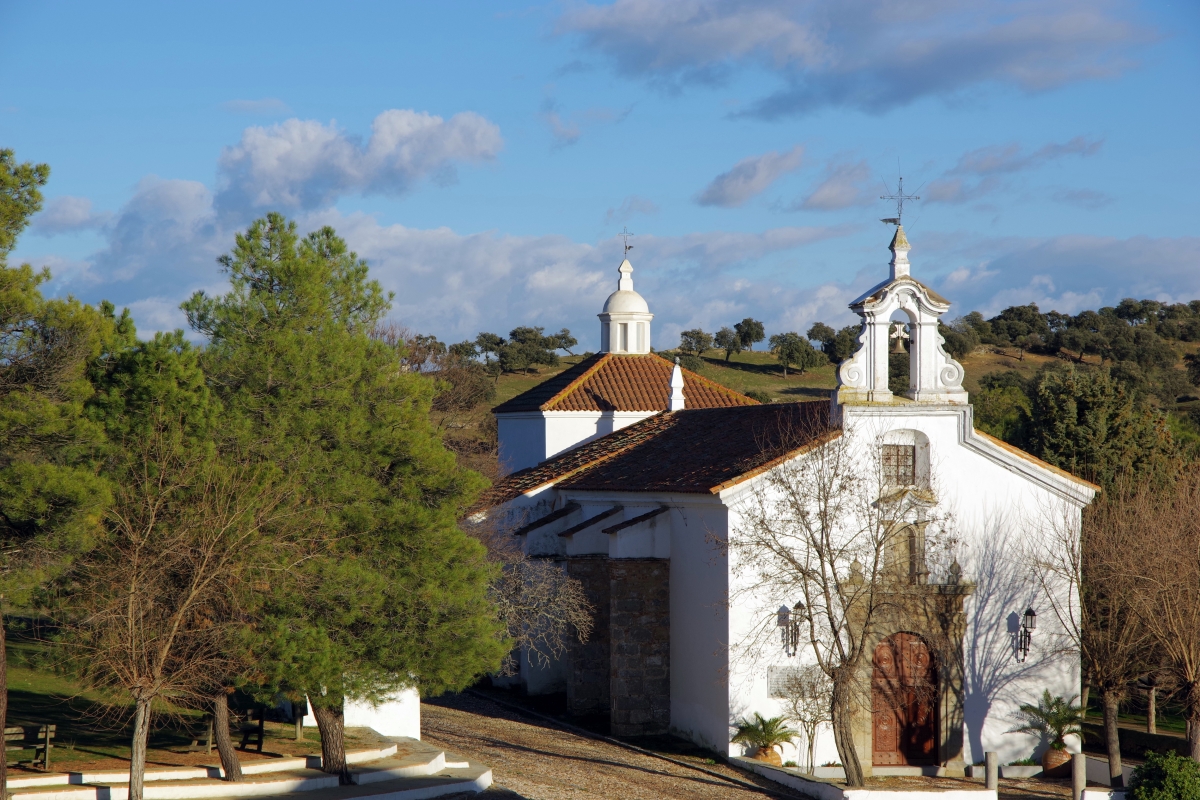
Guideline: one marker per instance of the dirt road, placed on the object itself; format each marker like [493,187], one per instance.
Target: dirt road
[530,759]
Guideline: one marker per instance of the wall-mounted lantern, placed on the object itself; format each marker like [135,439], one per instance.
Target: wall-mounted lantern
[788,620]
[1025,635]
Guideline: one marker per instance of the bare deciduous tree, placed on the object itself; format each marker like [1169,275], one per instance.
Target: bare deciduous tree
[543,608]
[1165,569]
[829,527]
[1100,615]
[156,606]
[807,691]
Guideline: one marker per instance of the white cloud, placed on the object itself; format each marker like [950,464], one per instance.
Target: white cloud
[979,172]
[67,214]
[750,177]
[265,106]
[1083,198]
[842,185]
[567,129]
[1065,273]
[303,164]
[630,206]
[872,55]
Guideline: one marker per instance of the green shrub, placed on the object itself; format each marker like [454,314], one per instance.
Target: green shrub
[689,361]
[759,395]
[1165,776]
[761,732]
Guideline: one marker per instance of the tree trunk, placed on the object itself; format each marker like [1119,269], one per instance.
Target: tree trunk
[1112,742]
[331,723]
[1083,699]
[1152,710]
[843,734]
[3,704]
[229,760]
[137,754]
[1193,721]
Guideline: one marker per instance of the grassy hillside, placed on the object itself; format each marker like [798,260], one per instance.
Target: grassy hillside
[760,370]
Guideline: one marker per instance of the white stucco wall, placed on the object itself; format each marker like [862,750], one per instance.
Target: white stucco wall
[399,715]
[998,514]
[522,439]
[529,438]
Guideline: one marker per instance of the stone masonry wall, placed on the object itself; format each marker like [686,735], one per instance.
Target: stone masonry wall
[588,663]
[640,636]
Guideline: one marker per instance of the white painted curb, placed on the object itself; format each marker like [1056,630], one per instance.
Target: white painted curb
[258,767]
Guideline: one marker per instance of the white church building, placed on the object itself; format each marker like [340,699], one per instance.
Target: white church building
[637,476]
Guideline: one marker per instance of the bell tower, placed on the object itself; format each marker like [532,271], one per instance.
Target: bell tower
[934,377]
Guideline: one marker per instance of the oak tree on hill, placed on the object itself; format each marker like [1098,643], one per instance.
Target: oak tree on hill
[396,595]
[750,331]
[728,340]
[793,350]
[695,341]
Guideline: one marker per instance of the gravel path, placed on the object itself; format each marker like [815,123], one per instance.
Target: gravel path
[531,760]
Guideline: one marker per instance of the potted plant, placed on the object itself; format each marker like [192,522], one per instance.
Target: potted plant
[764,735]
[1055,718]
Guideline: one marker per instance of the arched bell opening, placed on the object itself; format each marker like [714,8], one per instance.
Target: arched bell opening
[902,333]
[904,702]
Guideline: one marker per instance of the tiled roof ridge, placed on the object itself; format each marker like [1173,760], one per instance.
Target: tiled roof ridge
[575,384]
[711,383]
[632,435]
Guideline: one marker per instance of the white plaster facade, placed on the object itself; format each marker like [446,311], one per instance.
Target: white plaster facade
[398,715]
[528,438]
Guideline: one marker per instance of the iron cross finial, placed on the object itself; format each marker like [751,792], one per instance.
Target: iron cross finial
[625,234]
[899,197]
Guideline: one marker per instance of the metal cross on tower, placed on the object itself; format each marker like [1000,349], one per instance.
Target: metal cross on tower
[899,197]
[625,234]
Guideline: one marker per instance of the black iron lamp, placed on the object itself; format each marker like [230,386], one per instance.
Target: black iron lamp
[1025,635]
[788,620]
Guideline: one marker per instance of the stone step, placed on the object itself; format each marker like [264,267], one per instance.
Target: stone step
[255,767]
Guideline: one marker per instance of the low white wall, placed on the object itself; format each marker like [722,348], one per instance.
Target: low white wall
[828,791]
[400,715]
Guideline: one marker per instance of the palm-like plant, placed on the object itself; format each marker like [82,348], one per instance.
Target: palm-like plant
[1055,717]
[763,734]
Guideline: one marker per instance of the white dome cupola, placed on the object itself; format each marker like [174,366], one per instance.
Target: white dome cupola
[625,320]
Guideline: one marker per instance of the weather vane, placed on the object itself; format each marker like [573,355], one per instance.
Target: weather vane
[899,197]
[625,234]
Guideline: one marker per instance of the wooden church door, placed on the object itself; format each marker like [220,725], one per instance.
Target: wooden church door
[904,702]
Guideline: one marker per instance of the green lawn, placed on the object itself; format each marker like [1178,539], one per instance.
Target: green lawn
[93,730]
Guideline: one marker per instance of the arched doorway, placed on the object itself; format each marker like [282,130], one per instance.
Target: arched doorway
[904,700]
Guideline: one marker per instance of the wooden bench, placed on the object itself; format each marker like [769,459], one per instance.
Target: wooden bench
[253,733]
[35,738]
[202,737]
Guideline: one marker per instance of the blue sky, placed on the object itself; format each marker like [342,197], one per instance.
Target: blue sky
[482,156]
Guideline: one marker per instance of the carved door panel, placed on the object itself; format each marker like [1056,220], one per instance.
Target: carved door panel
[904,702]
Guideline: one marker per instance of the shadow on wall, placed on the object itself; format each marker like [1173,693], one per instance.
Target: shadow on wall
[1003,589]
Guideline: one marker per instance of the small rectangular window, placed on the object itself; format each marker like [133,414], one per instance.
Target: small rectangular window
[625,337]
[899,465]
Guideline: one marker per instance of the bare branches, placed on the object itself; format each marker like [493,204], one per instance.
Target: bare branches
[833,530]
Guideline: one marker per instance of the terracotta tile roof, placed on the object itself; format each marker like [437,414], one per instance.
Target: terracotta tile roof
[701,450]
[608,382]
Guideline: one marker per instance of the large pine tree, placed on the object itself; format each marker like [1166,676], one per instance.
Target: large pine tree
[395,594]
[50,496]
